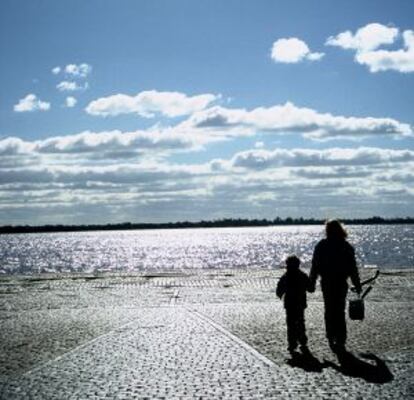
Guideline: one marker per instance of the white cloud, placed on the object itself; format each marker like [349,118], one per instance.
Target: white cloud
[149,103]
[333,172]
[287,118]
[132,171]
[292,50]
[367,42]
[70,102]
[74,71]
[117,141]
[256,182]
[264,159]
[31,103]
[401,60]
[71,86]
[117,174]
[367,38]
[107,145]
[255,166]
[406,177]
[13,146]
[78,70]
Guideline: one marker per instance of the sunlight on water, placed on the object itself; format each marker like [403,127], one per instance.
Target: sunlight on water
[380,245]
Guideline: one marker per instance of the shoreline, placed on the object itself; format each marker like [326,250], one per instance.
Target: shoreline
[224,223]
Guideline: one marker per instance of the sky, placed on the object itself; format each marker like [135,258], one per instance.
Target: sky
[172,110]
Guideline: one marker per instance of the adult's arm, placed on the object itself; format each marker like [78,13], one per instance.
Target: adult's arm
[310,287]
[315,268]
[353,270]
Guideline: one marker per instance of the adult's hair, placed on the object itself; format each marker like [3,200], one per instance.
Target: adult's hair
[335,230]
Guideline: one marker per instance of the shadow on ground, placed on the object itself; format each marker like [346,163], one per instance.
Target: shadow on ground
[306,361]
[375,371]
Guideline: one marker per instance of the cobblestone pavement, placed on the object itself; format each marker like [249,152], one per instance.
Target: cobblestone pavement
[215,334]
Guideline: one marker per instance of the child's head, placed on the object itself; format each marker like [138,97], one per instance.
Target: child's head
[292,262]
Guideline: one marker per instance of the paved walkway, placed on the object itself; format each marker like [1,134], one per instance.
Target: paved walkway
[164,341]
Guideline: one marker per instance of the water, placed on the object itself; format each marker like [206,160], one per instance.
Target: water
[385,246]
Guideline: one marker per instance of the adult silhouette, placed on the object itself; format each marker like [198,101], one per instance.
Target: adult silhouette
[334,262]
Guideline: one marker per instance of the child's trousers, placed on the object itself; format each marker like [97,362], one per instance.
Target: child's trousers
[296,331]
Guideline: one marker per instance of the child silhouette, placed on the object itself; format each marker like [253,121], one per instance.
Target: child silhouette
[292,286]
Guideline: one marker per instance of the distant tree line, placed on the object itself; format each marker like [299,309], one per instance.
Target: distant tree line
[220,223]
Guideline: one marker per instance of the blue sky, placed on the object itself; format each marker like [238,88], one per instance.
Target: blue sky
[117,111]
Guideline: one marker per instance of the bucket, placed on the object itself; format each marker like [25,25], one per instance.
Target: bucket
[356,309]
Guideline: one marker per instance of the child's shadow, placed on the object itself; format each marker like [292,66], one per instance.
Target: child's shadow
[356,367]
[306,361]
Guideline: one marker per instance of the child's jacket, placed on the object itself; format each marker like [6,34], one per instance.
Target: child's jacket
[292,286]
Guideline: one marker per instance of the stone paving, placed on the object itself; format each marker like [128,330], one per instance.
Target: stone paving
[193,335]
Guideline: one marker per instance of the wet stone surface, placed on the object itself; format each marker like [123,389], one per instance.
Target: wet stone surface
[211,334]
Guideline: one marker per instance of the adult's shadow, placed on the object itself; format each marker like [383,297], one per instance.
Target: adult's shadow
[306,361]
[350,365]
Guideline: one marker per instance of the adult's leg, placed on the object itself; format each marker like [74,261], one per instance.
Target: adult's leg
[335,322]
[340,322]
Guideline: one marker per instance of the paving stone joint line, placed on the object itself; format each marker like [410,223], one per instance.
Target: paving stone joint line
[84,345]
[232,337]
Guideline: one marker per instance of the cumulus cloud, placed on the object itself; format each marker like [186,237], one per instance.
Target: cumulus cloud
[401,60]
[74,71]
[406,177]
[149,103]
[367,42]
[286,181]
[31,103]
[134,171]
[78,70]
[75,75]
[114,141]
[70,102]
[71,86]
[106,145]
[290,118]
[292,50]
[94,175]
[367,38]
[333,172]
[14,146]
[264,159]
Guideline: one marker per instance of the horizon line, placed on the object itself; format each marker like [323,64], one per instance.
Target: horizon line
[218,223]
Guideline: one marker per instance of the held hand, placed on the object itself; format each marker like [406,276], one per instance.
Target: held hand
[311,285]
[357,290]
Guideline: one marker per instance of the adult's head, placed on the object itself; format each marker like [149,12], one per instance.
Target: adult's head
[335,230]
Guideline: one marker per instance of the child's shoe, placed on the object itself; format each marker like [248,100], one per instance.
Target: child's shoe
[292,351]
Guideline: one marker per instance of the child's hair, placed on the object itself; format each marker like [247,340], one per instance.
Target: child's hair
[292,262]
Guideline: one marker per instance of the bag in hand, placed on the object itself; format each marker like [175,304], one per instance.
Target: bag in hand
[356,309]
